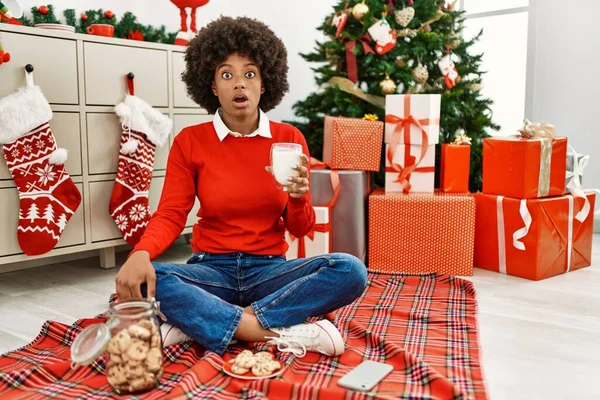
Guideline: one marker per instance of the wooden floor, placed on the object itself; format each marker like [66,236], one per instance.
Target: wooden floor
[540,340]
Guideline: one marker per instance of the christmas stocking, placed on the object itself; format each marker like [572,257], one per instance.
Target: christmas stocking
[48,198]
[144,128]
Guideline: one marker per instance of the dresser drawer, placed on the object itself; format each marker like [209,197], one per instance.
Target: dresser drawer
[106,67]
[74,233]
[66,130]
[54,60]
[104,142]
[179,88]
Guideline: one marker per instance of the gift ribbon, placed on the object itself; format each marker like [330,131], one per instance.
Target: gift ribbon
[411,164]
[546,133]
[335,180]
[575,187]
[322,228]
[351,57]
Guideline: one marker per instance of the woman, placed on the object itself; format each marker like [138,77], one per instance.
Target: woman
[237,282]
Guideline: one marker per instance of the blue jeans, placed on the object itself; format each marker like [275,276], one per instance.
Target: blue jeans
[205,297]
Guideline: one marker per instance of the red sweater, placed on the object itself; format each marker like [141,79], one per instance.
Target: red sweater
[241,210]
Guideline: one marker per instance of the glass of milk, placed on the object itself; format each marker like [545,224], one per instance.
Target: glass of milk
[283,156]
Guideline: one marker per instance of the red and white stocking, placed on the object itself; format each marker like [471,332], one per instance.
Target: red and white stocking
[144,128]
[48,198]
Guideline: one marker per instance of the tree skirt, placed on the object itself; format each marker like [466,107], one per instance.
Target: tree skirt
[425,326]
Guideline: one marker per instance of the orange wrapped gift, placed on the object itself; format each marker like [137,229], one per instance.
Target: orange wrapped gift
[534,239]
[420,233]
[455,164]
[352,143]
[528,166]
[317,242]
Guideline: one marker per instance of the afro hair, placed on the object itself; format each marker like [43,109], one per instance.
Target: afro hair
[245,37]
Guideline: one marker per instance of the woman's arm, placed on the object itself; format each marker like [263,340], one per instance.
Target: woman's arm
[176,201]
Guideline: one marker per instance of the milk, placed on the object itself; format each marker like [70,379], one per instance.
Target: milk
[282,160]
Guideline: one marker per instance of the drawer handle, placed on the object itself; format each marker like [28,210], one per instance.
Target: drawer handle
[29,68]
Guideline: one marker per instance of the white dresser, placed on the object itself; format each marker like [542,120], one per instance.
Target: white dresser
[83,77]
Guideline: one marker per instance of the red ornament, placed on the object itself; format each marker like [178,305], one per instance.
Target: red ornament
[109,14]
[137,35]
[84,17]
[44,10]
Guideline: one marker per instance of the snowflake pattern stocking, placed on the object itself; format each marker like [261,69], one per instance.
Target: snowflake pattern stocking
[48,198]
[144,128]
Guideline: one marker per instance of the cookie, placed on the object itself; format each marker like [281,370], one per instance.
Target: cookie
[149,326]
[138,350]
[143,383]
[266,368]
[263,356]
[137,331]
[238,370]
[155,341]
[123,340]
[153,361]
[134,370]
[116,375]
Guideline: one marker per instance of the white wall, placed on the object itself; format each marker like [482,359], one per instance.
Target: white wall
[294,22]
[562,84]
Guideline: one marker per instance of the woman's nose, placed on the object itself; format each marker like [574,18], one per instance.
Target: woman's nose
[240,85]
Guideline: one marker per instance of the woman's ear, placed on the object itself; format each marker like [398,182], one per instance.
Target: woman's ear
[214,88]
[262,89]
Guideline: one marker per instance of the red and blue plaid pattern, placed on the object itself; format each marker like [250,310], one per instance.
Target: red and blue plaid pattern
[425,326]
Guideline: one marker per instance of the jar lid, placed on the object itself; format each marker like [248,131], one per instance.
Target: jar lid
[90,344]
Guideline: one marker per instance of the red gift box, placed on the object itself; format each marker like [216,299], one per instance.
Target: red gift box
[352,143]
[533,239]
[524,168]
[420,233]
[454,169]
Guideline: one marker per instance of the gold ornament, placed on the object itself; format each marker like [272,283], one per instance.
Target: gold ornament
[453,40]
[388,86]
[400,63]
[476,87]
[404,16]
[360,10]
[371,117]
[420,74]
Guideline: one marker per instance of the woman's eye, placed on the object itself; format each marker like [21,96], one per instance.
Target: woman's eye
[227,75]
[250,74]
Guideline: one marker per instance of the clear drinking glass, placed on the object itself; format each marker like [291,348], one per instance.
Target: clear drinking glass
[283,156]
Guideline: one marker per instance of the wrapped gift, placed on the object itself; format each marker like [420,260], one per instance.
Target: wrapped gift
[349,214]
[412,119]
[352,143]
[534,238]
[576,163]
[410,168]
[420,233]
[526,166]
[316,242]
[455,164]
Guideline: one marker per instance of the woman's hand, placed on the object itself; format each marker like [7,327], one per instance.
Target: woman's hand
[137,270]
[298,186]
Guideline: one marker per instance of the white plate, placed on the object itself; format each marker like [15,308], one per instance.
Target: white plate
[56,27]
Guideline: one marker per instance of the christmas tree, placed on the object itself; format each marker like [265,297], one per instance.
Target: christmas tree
[354,74]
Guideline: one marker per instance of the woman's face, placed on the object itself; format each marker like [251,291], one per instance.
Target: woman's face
[238,84]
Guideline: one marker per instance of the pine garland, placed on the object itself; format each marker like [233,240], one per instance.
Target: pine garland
[127,27]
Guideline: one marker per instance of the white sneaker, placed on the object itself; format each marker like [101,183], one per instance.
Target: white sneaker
[172,335]
[321,336]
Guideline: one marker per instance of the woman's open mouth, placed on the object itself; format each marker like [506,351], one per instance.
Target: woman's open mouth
[240,100]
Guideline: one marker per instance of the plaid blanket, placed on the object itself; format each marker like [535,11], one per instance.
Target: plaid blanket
[425,326]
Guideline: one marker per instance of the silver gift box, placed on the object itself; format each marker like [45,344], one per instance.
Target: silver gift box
[349,215]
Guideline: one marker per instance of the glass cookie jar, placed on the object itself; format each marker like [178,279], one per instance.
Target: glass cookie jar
[131,341]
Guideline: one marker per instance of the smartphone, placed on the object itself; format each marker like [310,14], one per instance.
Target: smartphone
[365,376]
